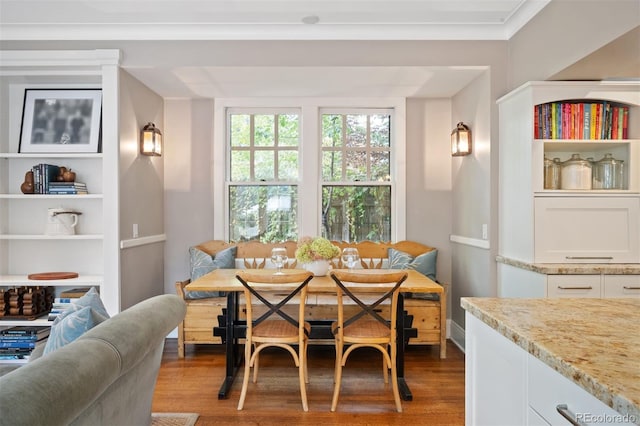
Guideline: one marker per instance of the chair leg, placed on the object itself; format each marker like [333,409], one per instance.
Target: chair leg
[394,382]
[385,370]
[256,363]
[337,376]
[306,362]
[247,373]
[302,373]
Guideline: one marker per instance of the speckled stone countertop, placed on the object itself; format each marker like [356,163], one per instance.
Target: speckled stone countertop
[593,342]
[574,268]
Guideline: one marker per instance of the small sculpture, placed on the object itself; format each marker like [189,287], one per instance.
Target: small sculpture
[27,186]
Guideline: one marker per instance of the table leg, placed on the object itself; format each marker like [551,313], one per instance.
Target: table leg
[405,392]
[231,346]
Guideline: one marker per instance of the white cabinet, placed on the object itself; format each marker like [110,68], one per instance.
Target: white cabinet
[587,229]
[573,286]
[93,250]
[547,226]
[550,395]
[495,374]
[505,385]
[621,286]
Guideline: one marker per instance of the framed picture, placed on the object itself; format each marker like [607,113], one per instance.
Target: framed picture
[61,121]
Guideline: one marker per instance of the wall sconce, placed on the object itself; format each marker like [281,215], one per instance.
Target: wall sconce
[460,140]
[151,140]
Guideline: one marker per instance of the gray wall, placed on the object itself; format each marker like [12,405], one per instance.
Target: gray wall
[141,193]
[565,32]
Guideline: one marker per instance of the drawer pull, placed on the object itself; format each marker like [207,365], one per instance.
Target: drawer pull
[564,412]
[589,257]
[575,288]
[630,288]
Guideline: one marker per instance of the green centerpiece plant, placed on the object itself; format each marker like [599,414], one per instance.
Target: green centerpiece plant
[311,250]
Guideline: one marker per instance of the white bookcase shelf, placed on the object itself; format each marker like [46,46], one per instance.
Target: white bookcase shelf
[93,251]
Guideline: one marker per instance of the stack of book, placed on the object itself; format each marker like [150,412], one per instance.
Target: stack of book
[64,301]
[17,343]
[67,188]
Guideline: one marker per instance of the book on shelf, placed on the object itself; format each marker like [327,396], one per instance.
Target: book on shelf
[18,345]
[18,339]
[74,292]
[26,330]
[43,175]
[65,299]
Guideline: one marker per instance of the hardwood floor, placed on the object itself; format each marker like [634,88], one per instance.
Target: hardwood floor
[191,385]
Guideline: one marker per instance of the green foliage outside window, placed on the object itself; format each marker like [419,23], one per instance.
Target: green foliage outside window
[263,148]
[356,148]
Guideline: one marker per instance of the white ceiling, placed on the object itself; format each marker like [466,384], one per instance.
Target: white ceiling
[123,21]
[265,19]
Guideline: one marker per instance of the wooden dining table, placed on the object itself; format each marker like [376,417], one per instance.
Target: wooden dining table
[232,329]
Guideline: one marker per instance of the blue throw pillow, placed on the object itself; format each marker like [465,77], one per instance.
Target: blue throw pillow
[202,263]
[73,325]
[424,263]
[90,299]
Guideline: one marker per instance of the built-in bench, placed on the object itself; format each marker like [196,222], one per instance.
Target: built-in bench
[428,314]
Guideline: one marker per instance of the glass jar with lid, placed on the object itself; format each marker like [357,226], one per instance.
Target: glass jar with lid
[552,173]
[608,173]
[576,173]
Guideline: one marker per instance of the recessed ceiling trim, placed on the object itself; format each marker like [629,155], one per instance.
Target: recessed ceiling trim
[118,31]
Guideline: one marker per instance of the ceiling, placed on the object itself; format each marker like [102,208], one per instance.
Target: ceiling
[265,19]
[125,21]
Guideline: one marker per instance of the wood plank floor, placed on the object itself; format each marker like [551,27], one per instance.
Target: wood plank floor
[191,385]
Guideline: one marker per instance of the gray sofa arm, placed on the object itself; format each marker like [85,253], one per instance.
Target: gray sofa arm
[107,376]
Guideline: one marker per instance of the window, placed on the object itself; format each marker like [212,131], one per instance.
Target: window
[356,176]
[293,167]
[263,170]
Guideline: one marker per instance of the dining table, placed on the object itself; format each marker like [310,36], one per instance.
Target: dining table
[231,328]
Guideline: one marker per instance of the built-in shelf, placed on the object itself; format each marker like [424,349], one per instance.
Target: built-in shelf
[51,237]
[50,196]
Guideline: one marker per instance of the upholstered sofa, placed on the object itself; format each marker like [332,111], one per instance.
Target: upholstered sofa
[105,377]
[204,311]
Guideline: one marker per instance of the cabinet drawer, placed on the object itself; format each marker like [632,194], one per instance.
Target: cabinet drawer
[548,389]
[573,286]
[587,229]
[622,286]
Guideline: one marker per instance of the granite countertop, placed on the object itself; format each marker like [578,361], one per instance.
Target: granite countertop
[593,342]
[574,268]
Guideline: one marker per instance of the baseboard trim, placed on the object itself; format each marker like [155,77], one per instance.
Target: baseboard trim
[457,335]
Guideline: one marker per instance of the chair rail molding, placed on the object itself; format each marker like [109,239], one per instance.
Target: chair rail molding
[467,241]
[135,242]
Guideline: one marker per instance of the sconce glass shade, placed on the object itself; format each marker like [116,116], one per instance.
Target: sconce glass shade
[460,140]
[151,140]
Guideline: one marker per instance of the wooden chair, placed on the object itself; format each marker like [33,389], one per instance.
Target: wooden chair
[262,332]
[367,328]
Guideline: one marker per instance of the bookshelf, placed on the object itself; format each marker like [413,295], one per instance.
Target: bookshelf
[25,247]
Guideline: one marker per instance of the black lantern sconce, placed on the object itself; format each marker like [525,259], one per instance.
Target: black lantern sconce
[151,140]
[460,140]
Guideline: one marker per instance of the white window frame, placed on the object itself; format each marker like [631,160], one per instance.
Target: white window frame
[310,151]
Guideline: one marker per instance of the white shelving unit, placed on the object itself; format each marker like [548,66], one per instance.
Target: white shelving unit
[526,209]
[578,227]
[93,252]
